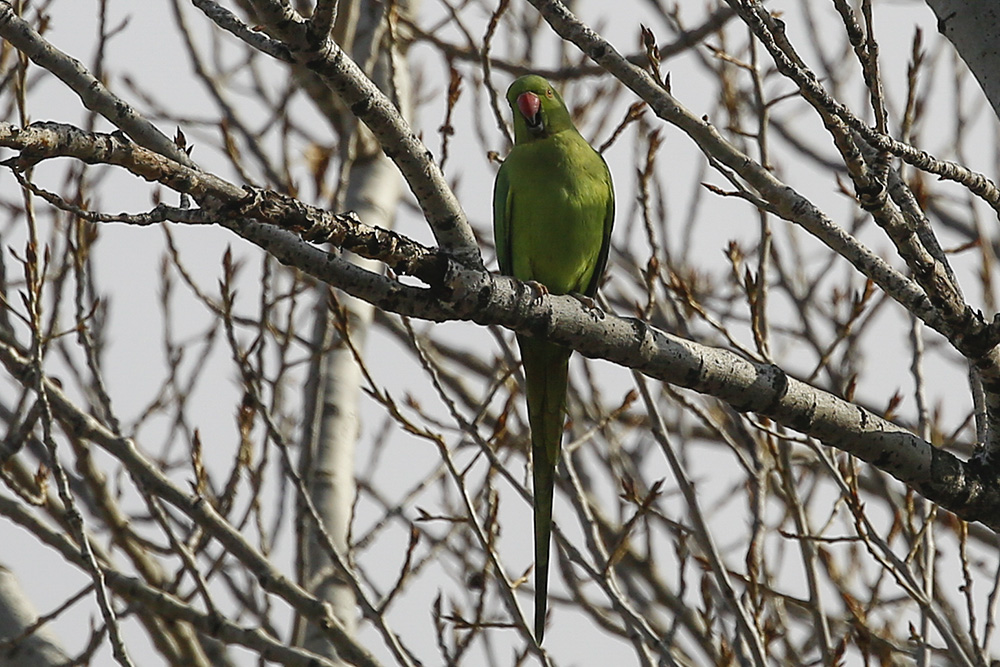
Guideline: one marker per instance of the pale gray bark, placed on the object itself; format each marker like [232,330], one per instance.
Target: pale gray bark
[973,28]
[21,644]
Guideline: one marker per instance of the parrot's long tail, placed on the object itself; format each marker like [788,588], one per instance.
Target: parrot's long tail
[546,367]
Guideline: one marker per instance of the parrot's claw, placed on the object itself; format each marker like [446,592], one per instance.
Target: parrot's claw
[589,305]
[541,291]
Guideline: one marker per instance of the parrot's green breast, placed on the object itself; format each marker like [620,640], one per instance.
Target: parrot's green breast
[558,203]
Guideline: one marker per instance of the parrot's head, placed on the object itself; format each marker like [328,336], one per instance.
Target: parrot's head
[539,110]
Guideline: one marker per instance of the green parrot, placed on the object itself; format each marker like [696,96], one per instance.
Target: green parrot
[553,207]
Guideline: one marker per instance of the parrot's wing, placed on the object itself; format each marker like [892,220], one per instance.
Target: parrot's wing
[501,219]
[609,219]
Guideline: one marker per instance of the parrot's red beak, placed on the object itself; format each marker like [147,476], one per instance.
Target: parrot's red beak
[529,105]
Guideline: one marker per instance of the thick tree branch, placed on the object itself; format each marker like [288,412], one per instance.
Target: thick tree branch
[458,292]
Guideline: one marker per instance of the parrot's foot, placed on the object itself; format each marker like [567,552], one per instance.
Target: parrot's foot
[542,291]
[589,305]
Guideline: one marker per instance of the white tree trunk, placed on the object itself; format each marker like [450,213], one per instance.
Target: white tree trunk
[373,191]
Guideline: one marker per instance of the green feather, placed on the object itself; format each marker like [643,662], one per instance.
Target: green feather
[553,208]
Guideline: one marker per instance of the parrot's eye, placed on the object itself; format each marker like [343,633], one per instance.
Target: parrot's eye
[548,93]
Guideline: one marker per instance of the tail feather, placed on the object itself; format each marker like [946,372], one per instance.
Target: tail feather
[546,368]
